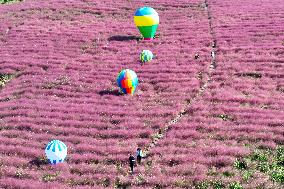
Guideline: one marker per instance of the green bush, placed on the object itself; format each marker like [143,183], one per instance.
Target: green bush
[259,156]
[240,164]
[8,1]
[228,174]
[277,175]
[4,78]
[218,185]
[280,156]
[201,185]
[235,185]
[247,175]
[263,167]
[270,162]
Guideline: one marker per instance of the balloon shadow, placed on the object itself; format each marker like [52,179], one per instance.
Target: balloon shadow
[123,38]
[110,92]
[38,162]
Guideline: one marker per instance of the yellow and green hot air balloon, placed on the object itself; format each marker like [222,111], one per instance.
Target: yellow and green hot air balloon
[147,21]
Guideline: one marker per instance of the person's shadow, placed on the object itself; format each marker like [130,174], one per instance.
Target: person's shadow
[123,38]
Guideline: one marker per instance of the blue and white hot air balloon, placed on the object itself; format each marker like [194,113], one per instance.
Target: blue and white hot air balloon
[56,151]
[146,56]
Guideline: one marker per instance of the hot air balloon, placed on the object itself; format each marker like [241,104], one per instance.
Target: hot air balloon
[146,56]
[127,81]
[56,151]
[147,21]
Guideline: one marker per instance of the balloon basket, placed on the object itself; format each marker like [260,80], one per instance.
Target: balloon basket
[148,39]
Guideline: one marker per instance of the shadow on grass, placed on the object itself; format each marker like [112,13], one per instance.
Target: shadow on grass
[110,92]
[123,38]
[39,162]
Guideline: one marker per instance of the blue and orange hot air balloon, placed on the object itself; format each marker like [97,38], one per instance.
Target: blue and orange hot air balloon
[127,81]
[147,21]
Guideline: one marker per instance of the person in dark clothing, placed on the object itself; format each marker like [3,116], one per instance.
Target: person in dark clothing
[139,155]
[131,162]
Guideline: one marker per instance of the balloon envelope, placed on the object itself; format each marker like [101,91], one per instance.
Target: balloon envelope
[56,151]
[146,56]
[147,21]
[127,81]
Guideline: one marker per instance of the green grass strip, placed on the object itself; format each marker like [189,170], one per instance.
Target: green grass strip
[4,78]
[9,1]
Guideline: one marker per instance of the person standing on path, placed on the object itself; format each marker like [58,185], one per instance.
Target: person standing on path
[131,162]
[139,155]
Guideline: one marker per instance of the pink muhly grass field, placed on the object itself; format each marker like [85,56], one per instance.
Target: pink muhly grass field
[66,55]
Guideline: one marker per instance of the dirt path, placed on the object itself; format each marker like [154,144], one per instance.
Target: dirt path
[184,112]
